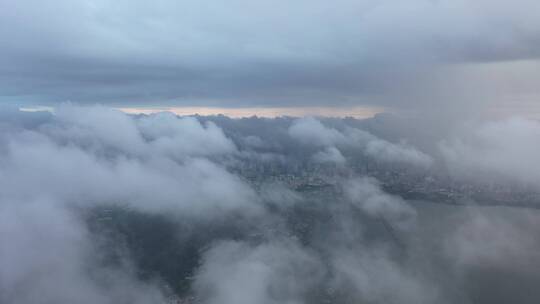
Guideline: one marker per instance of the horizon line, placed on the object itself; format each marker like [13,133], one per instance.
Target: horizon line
[268,112]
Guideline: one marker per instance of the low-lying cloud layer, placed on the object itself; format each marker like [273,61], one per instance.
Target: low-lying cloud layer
[97,206]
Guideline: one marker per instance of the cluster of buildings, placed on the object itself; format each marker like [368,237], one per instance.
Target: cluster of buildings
[407,182]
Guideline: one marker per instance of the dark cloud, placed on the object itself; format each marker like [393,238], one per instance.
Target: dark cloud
[392,53]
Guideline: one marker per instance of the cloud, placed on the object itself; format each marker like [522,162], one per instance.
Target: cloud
[340,263]
[497,240]
[276,272]
[80,154]
[310,131]
[366,194]
[495,247]
[110,131]
[390,53]
[372,276]
[94,126]
[184,136]
[505,149]
[95,204]
[387,151]
[46,256]
[81,158]
[329,155]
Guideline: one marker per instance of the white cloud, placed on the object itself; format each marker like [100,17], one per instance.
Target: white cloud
[85,157]
[310,131]
[237,273]
[507,149]
[176,136]
[366,194]
[329,155]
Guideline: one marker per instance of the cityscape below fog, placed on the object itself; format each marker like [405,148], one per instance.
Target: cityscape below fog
[409,184]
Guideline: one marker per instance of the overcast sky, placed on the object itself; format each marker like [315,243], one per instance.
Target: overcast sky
[385,53]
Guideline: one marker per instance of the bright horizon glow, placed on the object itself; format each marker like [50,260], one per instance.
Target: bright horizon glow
[270,112]
[527,111]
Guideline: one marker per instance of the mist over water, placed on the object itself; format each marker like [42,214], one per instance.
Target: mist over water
[98,206]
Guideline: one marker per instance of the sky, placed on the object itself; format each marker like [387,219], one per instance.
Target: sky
[393,54]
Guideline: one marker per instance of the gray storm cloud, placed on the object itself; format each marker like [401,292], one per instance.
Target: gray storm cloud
[404,54]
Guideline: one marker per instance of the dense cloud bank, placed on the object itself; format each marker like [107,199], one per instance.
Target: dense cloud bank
[403,54]
[97,206]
